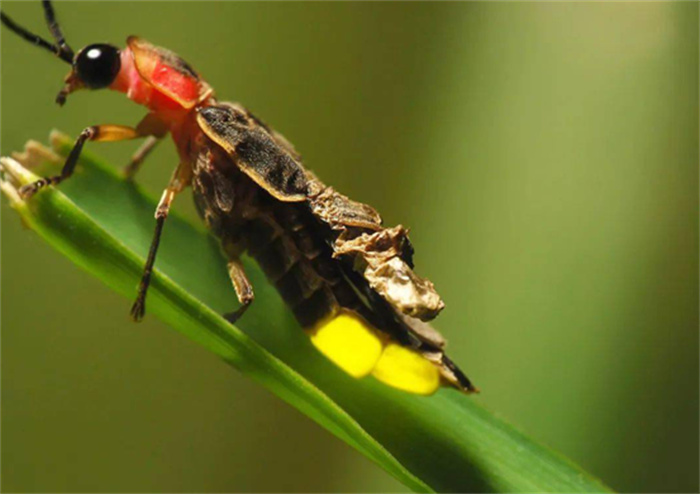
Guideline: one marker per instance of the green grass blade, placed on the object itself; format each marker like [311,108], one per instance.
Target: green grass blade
[444,443]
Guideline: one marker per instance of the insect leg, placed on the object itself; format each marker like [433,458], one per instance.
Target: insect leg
[244,290]
[153,127]
[100,133]
[140,155]
[139,308]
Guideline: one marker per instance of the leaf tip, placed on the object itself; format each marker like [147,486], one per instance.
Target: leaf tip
[12,176]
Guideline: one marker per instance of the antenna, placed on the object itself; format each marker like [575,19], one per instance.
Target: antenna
[60,49]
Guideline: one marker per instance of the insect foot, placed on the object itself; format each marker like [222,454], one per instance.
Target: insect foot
[233,317]
[138,310]
[27,191]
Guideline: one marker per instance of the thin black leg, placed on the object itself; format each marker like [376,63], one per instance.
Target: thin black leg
[139,308]
[67,170]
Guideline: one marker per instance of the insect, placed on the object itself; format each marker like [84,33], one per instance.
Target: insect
[348,279]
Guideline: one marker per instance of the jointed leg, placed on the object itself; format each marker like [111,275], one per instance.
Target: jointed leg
[244,290]
[139,308]
[153,127]
[137,158]
[100,133]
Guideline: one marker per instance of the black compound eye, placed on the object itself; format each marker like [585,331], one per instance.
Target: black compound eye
[97,65]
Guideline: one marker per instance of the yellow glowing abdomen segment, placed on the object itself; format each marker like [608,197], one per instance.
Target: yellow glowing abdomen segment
[348,342]
[407,370]
[356,347]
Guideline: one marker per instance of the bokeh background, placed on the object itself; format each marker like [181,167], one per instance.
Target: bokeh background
[545,157]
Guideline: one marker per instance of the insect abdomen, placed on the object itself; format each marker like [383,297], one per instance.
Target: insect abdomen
[282,237]
[299,264]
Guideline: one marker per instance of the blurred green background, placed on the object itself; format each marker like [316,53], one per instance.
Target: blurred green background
[545,157]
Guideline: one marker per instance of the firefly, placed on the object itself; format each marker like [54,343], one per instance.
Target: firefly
[348,279]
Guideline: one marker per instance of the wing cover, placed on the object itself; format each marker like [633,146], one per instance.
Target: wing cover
[255,150]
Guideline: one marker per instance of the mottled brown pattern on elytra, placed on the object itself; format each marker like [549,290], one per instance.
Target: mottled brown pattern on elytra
[255,150]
